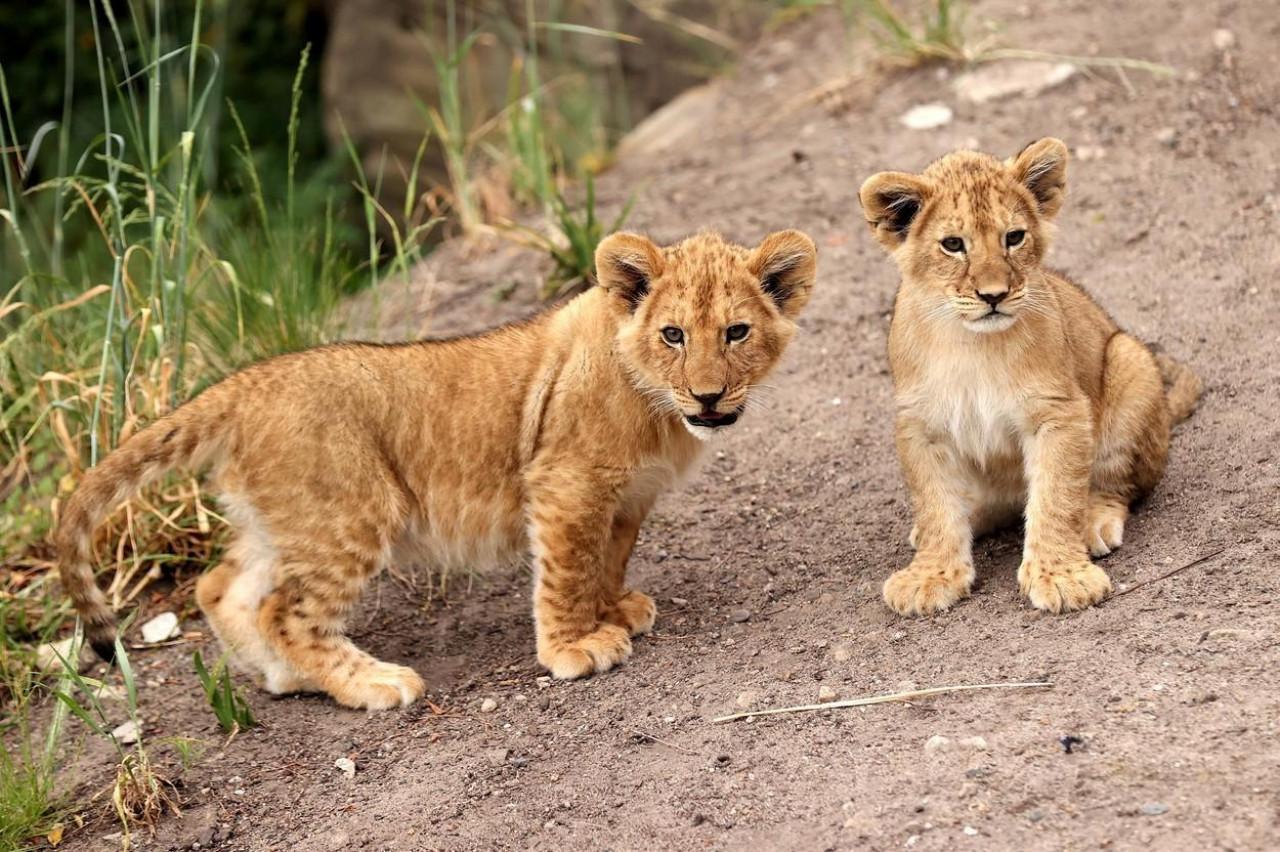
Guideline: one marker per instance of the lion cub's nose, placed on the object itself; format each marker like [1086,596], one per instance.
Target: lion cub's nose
[993,299]
[709,399]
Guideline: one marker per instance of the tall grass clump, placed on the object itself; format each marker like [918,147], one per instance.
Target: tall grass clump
[940,34]
[531,150]
[138,265]
[131,278]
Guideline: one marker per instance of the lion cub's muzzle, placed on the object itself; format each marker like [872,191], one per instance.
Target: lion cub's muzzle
[710,416]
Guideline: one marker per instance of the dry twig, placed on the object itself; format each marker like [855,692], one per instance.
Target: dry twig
[879,699]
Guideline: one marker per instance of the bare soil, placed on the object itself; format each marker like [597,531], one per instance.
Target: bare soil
[800,514]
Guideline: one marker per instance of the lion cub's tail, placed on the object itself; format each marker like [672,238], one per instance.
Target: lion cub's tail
[1184,387]
[188,437]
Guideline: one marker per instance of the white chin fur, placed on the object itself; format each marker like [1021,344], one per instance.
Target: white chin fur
[702,433]
[990,325]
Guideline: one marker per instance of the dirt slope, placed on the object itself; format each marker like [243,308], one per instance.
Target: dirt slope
[800,514]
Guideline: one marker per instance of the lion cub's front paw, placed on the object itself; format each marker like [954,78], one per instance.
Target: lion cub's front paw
[923,588]
[598,651]
[634,611]
[1063,587]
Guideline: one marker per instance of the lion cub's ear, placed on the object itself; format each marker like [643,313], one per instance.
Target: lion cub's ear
[1042,168]
[891,201]
[625,264]
[786,263]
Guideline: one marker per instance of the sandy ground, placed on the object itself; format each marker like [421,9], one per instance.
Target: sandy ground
[800,514]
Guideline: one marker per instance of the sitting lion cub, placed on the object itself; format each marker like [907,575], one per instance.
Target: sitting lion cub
[1015,392]
[552,436]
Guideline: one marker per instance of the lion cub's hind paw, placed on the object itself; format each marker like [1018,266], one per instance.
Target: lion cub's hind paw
[634,611]
[1063,588]
[380,686]
[1105,530]
[598,651]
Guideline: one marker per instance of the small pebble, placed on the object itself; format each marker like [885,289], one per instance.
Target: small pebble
[971,831]
[826,693]
[738,616]
[680,601]
[49,656]
[1224,39]
[160,629]
[1154,809]
[488,705]
[975,743]
[936,743]
[1167,136]
[747,699]
[346,766]
[128,733]
[926,116]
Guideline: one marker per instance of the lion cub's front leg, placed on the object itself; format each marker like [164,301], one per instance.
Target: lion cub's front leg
[1056,573]
[619,605]
[942,571]
[571,514]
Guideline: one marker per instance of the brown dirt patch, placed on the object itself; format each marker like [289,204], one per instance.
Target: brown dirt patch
[800,514]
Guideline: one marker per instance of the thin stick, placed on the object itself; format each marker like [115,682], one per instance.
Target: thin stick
[651,738]
[880,699]
[1193,563]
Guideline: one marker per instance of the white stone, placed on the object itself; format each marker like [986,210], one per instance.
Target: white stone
[975,743]
[49,656]
[1025,77]
[747,699]
[926,116]
[936,743]
[488,705]
[128,733]
[971,831]
[1224,39]
[162,628]
[826,693]
[346,766]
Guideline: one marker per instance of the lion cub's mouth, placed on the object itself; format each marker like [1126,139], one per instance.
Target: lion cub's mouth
[712,419]
[993,320]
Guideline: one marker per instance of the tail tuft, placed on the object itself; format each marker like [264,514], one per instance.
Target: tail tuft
[1185,387]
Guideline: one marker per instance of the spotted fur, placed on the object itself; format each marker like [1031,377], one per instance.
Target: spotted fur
[553,437]
[1016,393]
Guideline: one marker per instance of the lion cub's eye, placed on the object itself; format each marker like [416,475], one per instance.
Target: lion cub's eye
[673,335]
[1014,238]
[954,245]
[737,331]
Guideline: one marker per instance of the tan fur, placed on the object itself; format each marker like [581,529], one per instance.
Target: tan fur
[1048,410]
[555,436]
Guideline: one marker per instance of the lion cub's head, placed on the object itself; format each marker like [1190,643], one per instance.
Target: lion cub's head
[971,230]
[705,320]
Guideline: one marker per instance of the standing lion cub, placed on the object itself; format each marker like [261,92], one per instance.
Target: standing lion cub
[553,435]
[1015,392]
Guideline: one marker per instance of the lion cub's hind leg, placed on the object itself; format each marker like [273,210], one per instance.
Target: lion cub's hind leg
[303,619]
[1133,441]
[230,596]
